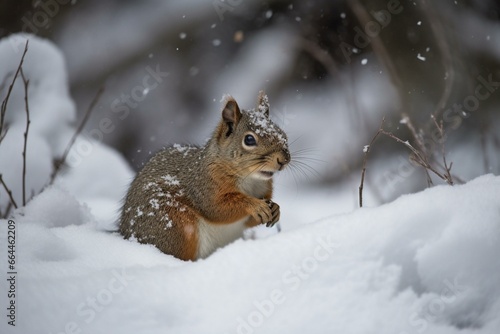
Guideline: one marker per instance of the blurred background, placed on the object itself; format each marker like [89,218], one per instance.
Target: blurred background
[332,69]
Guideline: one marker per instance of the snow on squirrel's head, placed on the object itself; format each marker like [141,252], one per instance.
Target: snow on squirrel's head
[251,140]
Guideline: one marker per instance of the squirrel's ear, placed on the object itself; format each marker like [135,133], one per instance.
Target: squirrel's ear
[263,103]
[231,114]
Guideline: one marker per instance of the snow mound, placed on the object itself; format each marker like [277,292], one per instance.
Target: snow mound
[99,177]
[427,262]
[56,208]
[96,174]
[51,112]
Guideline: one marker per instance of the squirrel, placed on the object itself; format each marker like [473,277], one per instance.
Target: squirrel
[188,201]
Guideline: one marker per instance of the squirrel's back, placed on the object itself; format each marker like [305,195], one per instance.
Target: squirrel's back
[188,201]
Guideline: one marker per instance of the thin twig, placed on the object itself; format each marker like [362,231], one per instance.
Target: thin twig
[3,111]
[418,158]
[3,108]
[418,139]
[447,168]
[366,150]
[406,120]
[26,85]
[9,192]
[7,211]
[59,164]
[2,136]
[4,133]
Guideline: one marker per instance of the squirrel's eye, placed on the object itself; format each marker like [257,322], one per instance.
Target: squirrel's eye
[250,140]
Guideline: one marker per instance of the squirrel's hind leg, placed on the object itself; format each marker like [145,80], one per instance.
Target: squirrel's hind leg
[179,236]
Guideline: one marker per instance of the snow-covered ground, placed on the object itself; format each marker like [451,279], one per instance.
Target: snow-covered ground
[425,263]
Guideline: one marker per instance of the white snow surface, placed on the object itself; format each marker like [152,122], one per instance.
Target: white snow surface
[426,262]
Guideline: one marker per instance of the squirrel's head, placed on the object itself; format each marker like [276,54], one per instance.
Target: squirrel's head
[250,141]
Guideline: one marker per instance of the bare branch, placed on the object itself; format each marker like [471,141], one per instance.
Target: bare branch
[26,84]
[446,168]
[2,136]
[420,144]
[3,130]
[75,135]
[366,150]
[417,156]
[406,120]
[3,108]
[9,192]
[7,211]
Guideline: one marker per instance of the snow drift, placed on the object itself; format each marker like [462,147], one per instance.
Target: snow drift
[427,262]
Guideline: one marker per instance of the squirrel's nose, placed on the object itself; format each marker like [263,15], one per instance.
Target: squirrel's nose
[286,153]
[285,160]
[280,163]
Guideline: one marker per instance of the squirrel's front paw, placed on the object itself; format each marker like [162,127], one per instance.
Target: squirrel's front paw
[267,212]
[275,213]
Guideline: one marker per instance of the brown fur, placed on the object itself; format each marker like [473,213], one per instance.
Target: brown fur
[216,183]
